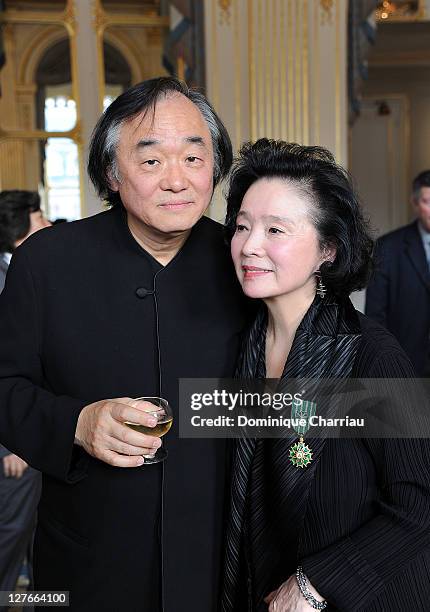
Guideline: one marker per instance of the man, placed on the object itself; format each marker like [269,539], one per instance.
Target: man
[20,216]
[121,305]
[398,295]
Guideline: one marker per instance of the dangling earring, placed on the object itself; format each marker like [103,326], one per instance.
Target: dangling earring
[321,288]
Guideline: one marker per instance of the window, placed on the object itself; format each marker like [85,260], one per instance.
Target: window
[61,160]
[61,155]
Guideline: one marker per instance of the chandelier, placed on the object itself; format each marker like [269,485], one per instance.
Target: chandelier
[401,10]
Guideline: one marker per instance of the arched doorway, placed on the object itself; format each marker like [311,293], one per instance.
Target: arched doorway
[56,112]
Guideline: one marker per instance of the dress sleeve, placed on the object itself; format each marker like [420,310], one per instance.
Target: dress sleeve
[353,571]
[34,423]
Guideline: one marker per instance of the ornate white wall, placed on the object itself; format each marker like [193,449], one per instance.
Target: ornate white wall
[277,68]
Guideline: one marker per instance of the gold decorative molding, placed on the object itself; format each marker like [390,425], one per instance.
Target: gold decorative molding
[70,25]
[104,20]
[12,165]
[276,80]
[283,67]
[32,17]
[26,110]
[298,71]
[180,70]
[74,134]
[290,71]
[225,11]
[306,73]
[238,76]
[316,78]
[100,24]
[69,17]
[327,11]
[137,20]
[19,139]
[252,72]
[8,32]
[268,68]
[215,63]
[32,54]
[154,35]
[26,89]
[100,20]
[260,69]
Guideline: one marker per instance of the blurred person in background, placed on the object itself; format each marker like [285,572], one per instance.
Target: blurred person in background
[20,216]
[398,294]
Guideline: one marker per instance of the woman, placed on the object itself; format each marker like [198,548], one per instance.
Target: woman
[347,527]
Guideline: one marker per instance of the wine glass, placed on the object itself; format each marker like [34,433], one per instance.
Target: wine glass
[162,411]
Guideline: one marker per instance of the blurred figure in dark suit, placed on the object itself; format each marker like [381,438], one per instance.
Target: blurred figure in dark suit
[20,216]
[398,295]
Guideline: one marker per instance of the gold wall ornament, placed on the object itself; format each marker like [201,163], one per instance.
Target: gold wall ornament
[180,70]
[22,134]
[42,17]
[154,35]
[99,24]
[326,8]
[100,20]
[225,11]
[69,17]
[8,34]
[26,116]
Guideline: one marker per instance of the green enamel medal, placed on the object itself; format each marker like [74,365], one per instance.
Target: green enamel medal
[301,412]
[300,454]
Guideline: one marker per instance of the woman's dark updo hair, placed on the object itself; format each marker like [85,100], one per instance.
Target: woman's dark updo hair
[335,213]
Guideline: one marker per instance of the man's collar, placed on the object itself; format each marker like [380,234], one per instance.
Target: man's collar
[425,235]
[7,257]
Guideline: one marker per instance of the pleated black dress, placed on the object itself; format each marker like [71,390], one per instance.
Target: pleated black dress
[358,517]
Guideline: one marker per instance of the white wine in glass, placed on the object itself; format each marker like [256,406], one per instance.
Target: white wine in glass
[161,410]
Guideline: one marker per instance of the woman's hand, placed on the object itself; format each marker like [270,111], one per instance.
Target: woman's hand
[288,597]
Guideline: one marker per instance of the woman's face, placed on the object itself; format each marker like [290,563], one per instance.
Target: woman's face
[275,248]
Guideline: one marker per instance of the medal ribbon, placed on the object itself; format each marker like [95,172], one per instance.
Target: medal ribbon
[302,410]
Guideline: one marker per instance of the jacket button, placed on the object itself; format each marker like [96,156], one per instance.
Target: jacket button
[141,292]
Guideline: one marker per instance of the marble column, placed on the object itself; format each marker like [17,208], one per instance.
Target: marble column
[86,70]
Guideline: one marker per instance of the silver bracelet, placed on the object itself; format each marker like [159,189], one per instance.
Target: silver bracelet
[303,586]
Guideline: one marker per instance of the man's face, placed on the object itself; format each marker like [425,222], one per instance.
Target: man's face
[165,163]
[422,207]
